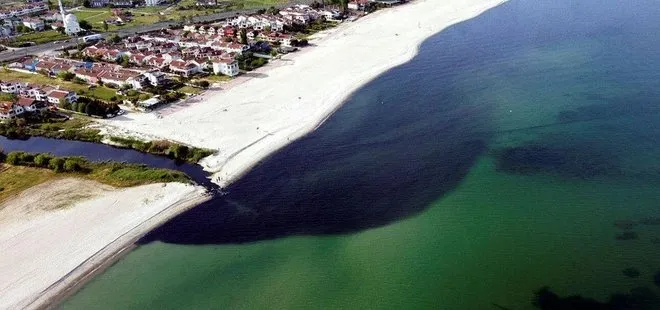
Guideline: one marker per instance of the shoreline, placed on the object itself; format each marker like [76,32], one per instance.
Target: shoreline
[106,257]
[293,96]
[106,213]
[297,95]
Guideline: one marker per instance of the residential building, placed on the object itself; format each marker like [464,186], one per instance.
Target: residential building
[28,104]
[185,68]
[153,2]
[60,96]
[9,110]
[156,78]
[226,66]
[12,87]
[35,24]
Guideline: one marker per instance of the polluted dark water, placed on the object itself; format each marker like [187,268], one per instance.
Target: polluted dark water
[512,164]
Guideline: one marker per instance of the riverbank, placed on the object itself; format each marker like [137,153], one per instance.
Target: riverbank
[57,234]
[263,111]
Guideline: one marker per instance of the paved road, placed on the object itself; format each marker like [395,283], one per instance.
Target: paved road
[42,48]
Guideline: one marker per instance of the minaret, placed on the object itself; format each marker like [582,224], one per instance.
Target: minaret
[61,9]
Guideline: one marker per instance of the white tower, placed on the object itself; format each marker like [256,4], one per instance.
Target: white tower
[71,26]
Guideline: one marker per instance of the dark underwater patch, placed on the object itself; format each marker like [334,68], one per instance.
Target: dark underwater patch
[640,298]
[567,162]
[627,235]
[631,272]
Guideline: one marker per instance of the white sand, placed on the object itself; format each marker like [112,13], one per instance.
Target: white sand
[247,122]
[53,234]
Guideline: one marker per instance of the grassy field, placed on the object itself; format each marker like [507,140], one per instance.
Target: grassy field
[14,179]
[99,92]
[189,90]
[39,37]
[96,16]
[217,78]
[25,173]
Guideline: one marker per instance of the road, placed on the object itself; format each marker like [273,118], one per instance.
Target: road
[42,48]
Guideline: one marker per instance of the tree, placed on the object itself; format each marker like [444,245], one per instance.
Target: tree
[14,158]
[244,39]
[85,25]
[87,3]
[105,26]
[66,75]
[71,165]
[82,106]
[42,160]
[272,10]
[344,5]
[115,38]
[56,164]
[61,29]
[124,61]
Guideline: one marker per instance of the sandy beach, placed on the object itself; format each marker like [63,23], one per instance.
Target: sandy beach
[56,234]
[259,113]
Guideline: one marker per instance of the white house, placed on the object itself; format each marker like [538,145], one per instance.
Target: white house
[12,87]
[9,110]
[153,2]
[28,104]
[185,68]
[59,96]
[155,78]
[226,66]
[35,24]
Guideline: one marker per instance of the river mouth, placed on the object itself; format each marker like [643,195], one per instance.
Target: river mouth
[518,150]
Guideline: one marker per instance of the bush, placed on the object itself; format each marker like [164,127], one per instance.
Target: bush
[71,165]
[66,75]
[56,164]
[42,160]
[14,158]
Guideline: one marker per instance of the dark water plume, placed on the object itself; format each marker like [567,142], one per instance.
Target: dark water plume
[575,162]
[640,298]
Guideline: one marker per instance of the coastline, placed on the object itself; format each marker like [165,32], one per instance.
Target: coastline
[284,101]
[50,251]
[265,110]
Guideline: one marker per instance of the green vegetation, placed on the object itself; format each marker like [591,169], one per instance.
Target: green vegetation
[77,128]
[37,38]
[112,173]
[165,148]
[50,126]
[98,92]
[249,62]
[15,179]
[189,90]
[217,78]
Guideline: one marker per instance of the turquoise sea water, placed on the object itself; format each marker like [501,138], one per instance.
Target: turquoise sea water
[495,163]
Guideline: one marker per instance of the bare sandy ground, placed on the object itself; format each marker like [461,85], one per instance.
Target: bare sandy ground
[263,111]
[53,234]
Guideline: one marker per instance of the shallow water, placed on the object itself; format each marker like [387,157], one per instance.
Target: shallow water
[494,163]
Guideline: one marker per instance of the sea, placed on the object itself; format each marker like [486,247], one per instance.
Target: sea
[514,162]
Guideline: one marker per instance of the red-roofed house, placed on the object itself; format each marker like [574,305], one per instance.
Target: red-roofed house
[28,104]
[9,110]
[60,96]
[185,68]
